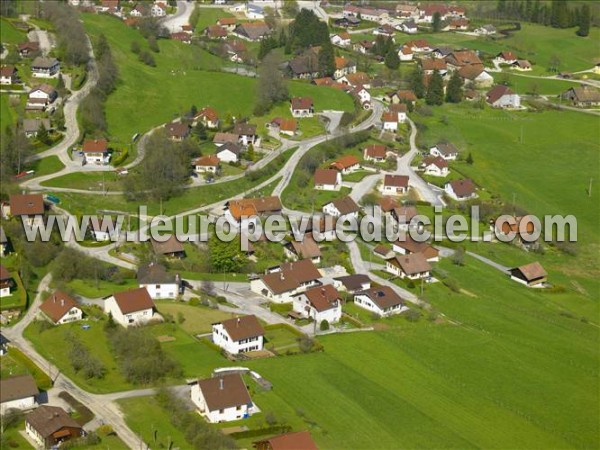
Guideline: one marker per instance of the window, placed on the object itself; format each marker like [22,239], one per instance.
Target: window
[221,411]
[157,286]
[237,408]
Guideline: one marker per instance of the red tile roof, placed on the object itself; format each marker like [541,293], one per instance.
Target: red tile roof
[133,300]
[95,146]
[57,305]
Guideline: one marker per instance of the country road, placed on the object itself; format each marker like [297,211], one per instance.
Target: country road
[175,21]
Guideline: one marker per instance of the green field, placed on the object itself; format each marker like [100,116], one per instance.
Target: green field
[94,181]
[9,34]
[8,115]
[198,319]
[209,16]
[47,165]
[101,289]
[522,84]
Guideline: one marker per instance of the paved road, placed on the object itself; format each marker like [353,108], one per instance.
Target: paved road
[43,37]
[489,262]
[182,17]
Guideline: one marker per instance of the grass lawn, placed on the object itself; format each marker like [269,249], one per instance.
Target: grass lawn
[198,319]
[46,166]
[522,84]
[14,439]
[94,181]
[281,338]
[9,34]
[89,288]
[209,16]
[8,115]
[15,362]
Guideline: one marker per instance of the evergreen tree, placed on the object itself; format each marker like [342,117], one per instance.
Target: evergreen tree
[535,12]
[326,60]
[416,82]
[528,10]
[470,159]
[437,22]
[584,21]
[43,135]
[454,91]
[391,59]
[435,90]
[282,38]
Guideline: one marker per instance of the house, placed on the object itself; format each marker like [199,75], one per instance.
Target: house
[395,185]
[343,67]
[8,75]
[61,308]
[521,65]
[413,266]
[346,164]
[404,10]
[343,39]
[236,50]
[460,190]
[252,31]
[43,67]
[209,117]
[307,248]
[139,10]
[223,398]
[405,53]
[300,440]
[390,121]
[207,164]
[158,282]
[328,180]
[406,245]
[583,96]
[103,228]
[403,215]
[459,24]
[6,282]
[305,66]
[444,150]
[3,242]
[95,151]
[346,22]
[282,282]
[130,308]
[302,107]
[171,247]
[18,392]
[321,303]
[402,96]
[177,131]
[27,48]
[476,75]
[363,46]
[418,46]
[342,208]
[229,152]
[215,32]
[247,134]
[505,58]
[30,207]
[383,251]
[461,58]
[435,166]
[221,139]
[430,65]
[385,30]
[352,283]
[441,52]
[400,110]
[381,300]
[254,12]
[182,36]
[42,94]
[501,96]
[31,127]
[427,12]
[362,95]
[356,79]
[244,211]
[408,27]
[531,275]
[507,228]
[239,334]
[229,23]
[289,127]
[485,30]
[50,426]
[375,153]
[158,9]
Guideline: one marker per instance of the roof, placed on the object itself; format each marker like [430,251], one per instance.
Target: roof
[463,188]
[288,125]
[307,248]
[4,273]
[253,30]
[437,161]
[471,71]
[244,327]
[411,246]
[376,151]
[497,92]
[418,43]
[26,204]
[354,282]
[181,36]
[357,78]
[389,116]
[382,249]
[344,35]
[407,94]
[177,129]
[222,138]
[171,245]
[302,103]
[32,125]
[224,392]
[406,213]
[433,64]
[523,64]
[207,161]
[17,387]
[227,21]
[531,271]
[261,205]
[586,94]
[216,31]
[384,296]
[463,57]
[31,45]
[302,64]
[300,440]
[47,420]
[44,87]
[345,205]
[411,264]
[446,148]
[245,129]
[57,305]
[398,108]
[323,297]
[345,162]
[341,62]
[280,282]
[233,147]
[153,273]
[396,181]
[507,56]
[387,203]
[42,62]
[7,71]
[133,300]
[303,270]
[95,146]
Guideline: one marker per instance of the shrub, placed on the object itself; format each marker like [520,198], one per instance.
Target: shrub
[194,301]
[324,325]
[412,315]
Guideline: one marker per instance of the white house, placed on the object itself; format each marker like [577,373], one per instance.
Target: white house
[43,67]
[341,39]
[380,300]
[328,179]
[395,185]
[61,308]
[223,398]
[390,121]
[346,164]
[505,58]
[8,75]
[207,164]
[18,392]
[319,303]
[409,27]
[342,208]
[239,335]
[158,10]
[6,282]
[413,266]
[104,228]
[435,166]
[282,282]
[254,12]
[158,282]
[302,107]
[96,151]
[405,54]
[400,110]
[42,93]
[444,150]
[229,152]
[130,308]
[460,190]
[485,30]
[363,96]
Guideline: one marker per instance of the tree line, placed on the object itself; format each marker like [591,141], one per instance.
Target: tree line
[433,93]
[72,43]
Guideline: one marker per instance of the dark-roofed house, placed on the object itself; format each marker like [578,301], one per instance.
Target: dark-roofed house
[583,96]
[300,440]
[246,134]
[505,58]
[238,335]
[158,282]
[475,75]
[177,131]
[531,275]
[380,300]
[215,32]
[305,249]
[61,308]
[460,190]
[346,164]
[223,398]
[352,283]
[304,66]
[29,206]
[252,31]
[302,107]
[282,282]
[6,282]
[172,247]
[501,96]
[342,207]
[462,58]
[27,48]
[229,152]
[406,245]
[31,127]
[224,138]
[395,185]
[435,166]
[413,266]
[49,426]
[328,179]
[43,67]
[319,303]
[130,308]
[522,65]
[444,150]
[18,392]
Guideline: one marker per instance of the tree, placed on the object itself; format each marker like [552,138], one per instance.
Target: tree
[15,149]
[454,92]
[225,256]
[60,86]
[324,325]
[153,44]
[135,47]
[416,82]
[391,59]
[272,86]
[470,159]
[326,60]
[435,90]
[458,258]
[437,22]
[43,136]
[584,21]
[200,131]
[554,63]
[307,30]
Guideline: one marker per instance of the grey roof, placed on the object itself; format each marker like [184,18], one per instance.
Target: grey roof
[17,387]
[43,62]
[32,125]
[154,273]
[233,147]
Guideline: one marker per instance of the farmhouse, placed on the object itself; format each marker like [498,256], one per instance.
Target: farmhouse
[50,426]
[228,23]
[435,166]
[27,48]
[18,392]
[461,58]
[229,152]
[430,65]
[342,208]
[444,150]
[40,96]
[405,245]
[501,96]
[215,32]
[130,308]
[95,151]
[43,67]
[531,275]
[304,66]
[300,440]
[460,190]
[328,179]
[247,134]
[307,248]
[30,207]
[352,283]
[158,282]
[302,107]
[375,153]
[460,24]
[6,282]
[395,185]
[584,96]
[61,308]
[346,164]
[207,164]
[505,58]
[413,266]
[419,46]
[252,31]
[8,75]
[282,282]
[319,303]
[381,300]
[31,127]
[171,247]
[177,131]
[223,398]
[401,96]
[238,335]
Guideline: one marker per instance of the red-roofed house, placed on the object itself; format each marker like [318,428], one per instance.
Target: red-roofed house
[95,151]
[319,303]
[395,185]
[130,308]
[328,179]
[61,308]
[460,190]
[346,164]
[207,164]
[390,121]
[302,107]
[375,153]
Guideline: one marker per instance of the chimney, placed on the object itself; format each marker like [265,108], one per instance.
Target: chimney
[62,302]
[221,384]
[281,276]
[54,298]
[238,322]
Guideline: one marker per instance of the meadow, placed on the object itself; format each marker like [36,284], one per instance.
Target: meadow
[9,34]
